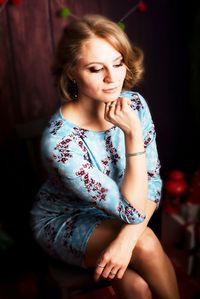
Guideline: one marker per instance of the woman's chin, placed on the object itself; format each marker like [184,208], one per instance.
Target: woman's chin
[111,97]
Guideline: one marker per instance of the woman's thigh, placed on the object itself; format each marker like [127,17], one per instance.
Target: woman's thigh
[107,231]
[101,237]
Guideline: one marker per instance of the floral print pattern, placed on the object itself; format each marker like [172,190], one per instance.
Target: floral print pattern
[83,188]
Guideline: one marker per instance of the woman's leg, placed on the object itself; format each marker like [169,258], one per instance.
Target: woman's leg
[132,285]
[148,262]
[154,266]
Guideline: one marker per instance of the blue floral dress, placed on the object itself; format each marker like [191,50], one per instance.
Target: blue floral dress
[86,169]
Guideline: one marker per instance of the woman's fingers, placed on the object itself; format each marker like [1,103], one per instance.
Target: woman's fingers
[114,272]
[109,109]
[108,270]
[120,114]
[106,110]
[112,106]
[99,270]
[125,102]
[120,273]
[115,107]
[118,107]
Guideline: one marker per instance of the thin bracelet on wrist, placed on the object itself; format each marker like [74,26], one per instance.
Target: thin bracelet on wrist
[135,154]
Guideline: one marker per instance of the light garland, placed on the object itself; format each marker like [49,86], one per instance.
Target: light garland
[65,11]
[141,6]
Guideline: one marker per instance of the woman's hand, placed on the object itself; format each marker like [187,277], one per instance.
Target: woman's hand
[114,260]
[122,115]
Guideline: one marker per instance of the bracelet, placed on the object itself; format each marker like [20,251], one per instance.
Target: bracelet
[135,154]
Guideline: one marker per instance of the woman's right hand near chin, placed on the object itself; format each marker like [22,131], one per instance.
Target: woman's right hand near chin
[120,114]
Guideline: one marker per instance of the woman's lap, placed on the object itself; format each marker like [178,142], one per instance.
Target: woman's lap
[103,234]
[66,238]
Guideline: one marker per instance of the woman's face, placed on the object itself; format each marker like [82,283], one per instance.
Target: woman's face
[100,72]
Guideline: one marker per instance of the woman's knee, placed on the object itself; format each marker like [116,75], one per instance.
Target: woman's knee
[132,286]
[141,288]
[148,244]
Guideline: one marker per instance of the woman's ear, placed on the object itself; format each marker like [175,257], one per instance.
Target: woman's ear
[70,75]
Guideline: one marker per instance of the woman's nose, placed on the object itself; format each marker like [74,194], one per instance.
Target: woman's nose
[110,76]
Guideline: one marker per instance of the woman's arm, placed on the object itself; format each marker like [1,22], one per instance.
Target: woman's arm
[117,255]
[131,233]
[135,182]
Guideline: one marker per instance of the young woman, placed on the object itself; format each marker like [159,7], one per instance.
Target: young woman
[101,156]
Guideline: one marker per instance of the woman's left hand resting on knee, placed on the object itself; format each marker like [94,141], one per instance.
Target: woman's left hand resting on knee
[116,257]
[114,260]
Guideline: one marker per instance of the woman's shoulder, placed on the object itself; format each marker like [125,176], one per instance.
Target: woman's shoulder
[55,123]
[56,128]
[56,135]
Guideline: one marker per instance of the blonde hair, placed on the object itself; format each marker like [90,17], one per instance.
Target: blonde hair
[71,41]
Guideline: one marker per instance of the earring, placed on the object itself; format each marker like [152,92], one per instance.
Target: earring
[73,89]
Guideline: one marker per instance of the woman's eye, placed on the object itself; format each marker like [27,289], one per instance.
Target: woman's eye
[94,70]
[118,64]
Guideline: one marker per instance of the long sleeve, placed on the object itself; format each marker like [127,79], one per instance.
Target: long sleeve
[149,135]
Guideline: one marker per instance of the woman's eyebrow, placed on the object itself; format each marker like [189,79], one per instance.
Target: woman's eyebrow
[97,62]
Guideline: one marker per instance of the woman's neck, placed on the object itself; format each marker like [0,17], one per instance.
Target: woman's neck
[87,115]
[91,108]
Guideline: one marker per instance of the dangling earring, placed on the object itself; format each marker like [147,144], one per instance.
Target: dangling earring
[75,89]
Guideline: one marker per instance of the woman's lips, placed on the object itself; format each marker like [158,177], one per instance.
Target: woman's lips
[110,90]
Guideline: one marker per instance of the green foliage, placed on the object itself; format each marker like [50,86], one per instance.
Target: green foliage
[121,25]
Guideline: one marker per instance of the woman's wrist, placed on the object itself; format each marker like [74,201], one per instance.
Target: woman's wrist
[134,143]
[128,155]
[133,133]
[124,236]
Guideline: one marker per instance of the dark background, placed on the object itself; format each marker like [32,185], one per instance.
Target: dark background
[168,32]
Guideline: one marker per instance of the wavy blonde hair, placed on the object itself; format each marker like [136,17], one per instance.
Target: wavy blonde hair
[78,32]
